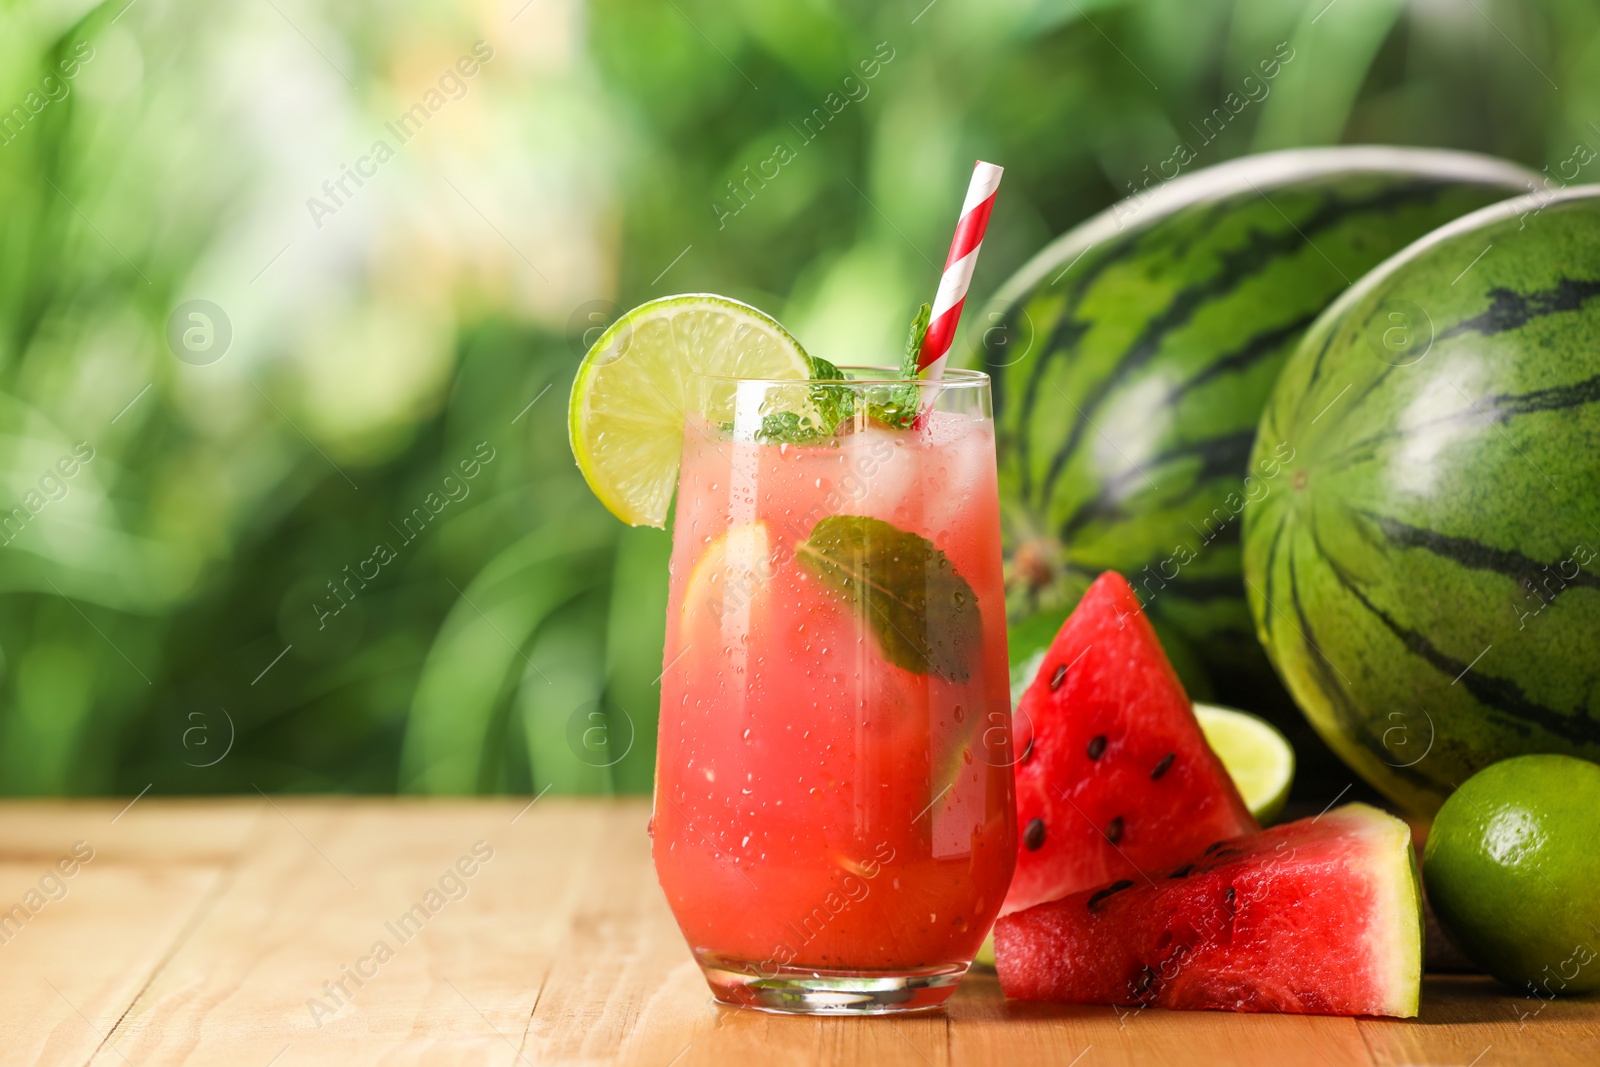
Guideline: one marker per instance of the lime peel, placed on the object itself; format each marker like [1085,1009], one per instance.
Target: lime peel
[625,416]
[1258,758]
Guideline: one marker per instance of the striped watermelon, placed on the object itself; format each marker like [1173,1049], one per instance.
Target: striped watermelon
[1428,580]
[1114,775]
[1318,917]
[1131,360]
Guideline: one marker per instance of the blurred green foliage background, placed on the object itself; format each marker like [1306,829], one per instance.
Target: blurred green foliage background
[194,607]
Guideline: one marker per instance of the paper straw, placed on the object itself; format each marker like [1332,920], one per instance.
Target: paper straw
[958,266]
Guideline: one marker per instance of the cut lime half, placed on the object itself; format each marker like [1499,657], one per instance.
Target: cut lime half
[625,417]
[1258,758]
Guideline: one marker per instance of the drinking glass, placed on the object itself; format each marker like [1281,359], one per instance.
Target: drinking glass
[834,822]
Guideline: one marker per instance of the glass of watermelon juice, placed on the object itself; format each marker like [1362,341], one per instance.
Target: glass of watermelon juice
[834,820]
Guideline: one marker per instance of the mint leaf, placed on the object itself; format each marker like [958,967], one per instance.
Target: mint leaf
[895,406]
[923,613]
[823,371]
[835,404]
[830,406]
[898,405]
[919,330]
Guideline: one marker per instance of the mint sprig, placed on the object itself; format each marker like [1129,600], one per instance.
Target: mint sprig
[831,405]
[919,330]
[904,401]
[834,406]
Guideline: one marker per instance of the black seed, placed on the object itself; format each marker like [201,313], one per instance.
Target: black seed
[1097,746]
[1228,896]
[1027,750]
[1110,890]
[1225,853]
[1214,846]
[1033,836]
[1056,678]
[1141,985]
[1114,830]
[1182,872]
[1163,766]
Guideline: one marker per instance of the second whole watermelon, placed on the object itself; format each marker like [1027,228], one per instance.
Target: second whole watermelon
[1428,580]
[1131,361]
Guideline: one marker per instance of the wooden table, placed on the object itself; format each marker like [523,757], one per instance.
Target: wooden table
[219,931]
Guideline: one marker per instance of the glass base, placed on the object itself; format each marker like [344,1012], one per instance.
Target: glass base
[799,991]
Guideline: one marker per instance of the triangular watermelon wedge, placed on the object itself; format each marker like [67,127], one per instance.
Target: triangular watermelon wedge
[1114,775]
[1321,916]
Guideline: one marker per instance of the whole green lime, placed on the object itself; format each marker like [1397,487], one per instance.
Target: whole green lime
[1512,869]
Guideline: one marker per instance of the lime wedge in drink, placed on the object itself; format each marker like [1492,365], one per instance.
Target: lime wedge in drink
[1257,756]
[730,574]
[626,415]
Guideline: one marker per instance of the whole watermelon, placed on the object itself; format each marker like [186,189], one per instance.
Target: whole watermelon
[1425,572]
[1131,360]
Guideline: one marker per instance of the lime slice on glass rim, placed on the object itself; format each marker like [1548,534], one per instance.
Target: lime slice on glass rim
[625,416]
[1258,758]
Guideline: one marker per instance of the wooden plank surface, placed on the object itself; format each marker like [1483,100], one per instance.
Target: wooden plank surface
[248,932]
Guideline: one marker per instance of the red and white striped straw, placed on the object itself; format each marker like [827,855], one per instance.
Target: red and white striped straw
[958,266]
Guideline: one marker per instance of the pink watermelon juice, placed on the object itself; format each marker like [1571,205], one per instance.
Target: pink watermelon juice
[833,784]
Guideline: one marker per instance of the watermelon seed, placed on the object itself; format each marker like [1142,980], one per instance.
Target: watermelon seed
[1056,678]
[1182,872]
[1114,830]
[1145,981]
[1228,896]
[1110,890]
[1097,746]
[1033,836]
[1214,846]
[1027,750]
[1163,766]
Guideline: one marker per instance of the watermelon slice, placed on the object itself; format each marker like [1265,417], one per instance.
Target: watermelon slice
[1114,775]
[1321,916]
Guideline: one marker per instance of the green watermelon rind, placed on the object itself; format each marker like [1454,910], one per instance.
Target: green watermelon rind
[1267,171]
[1356,727]
[1503,211]
[1402,941]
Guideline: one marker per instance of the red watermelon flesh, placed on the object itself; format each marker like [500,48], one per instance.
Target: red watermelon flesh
[1114,775]
[1321,916]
